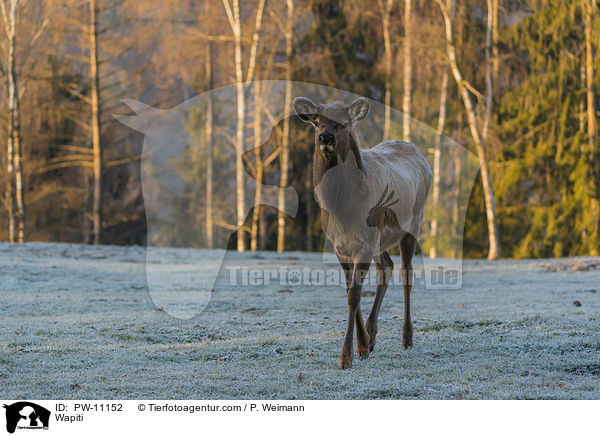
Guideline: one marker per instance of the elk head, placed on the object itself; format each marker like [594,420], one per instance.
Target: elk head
[334,124]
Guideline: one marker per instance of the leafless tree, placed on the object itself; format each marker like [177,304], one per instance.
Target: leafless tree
[589,9]
[95,123]
[464,87]
[407,97]
[284,154]
[437,157]
[386,12]
[14,194]
[489,91]
[235,21]
[209,148]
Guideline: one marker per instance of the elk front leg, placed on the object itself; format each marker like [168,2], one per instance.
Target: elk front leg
[407,248]
[359,274]
[362,335]
[384,266]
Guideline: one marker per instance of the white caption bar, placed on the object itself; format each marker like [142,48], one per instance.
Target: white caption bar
[150,417]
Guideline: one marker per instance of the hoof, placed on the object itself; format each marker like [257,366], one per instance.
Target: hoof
[407,341]
[407,336]
[372,330]
[363,353]
[345,363]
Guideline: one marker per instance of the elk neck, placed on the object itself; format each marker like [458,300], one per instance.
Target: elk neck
[339,181]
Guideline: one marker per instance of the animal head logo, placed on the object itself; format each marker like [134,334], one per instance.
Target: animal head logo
[24,414]
[174,175]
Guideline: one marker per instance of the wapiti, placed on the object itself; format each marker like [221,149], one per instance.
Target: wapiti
[371,200]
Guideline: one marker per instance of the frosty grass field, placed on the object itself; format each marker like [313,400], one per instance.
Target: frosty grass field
[77,322]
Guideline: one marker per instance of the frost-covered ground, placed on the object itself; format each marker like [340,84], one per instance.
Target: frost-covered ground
[78,322]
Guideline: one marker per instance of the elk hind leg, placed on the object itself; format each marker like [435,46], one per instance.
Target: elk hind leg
[407,249]
[384,266]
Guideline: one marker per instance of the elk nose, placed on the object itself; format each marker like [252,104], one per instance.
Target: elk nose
[326,138]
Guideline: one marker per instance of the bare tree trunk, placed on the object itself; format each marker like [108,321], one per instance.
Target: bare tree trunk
[233,15]
[241,124]
[18,167]
[14,189]
[85,221]
[257,213]
[387,44]
[284,155]
[309,213]
[589,73]
[236,27]
[582,102]
[209,149]
[259,166]
[13,96]
[489,92]
[495,54]
[255,37]
[406,99]
[96,145]
[488,190]
[262,236]
[9,192]
[589,10]
[437,155]
[457,186]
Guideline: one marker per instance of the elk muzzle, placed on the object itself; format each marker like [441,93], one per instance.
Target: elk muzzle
[326,140]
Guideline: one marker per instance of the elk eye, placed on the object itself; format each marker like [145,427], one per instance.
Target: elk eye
[316,123]
[346,124]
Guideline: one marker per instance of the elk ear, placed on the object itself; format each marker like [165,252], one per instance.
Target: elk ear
[138,107]
[358,109]
[249,161]
[306,109]
[144,118]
